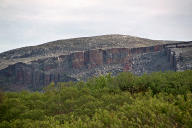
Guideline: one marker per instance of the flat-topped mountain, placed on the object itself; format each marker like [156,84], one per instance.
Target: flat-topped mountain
[63,47]
[79,58]
[81,44]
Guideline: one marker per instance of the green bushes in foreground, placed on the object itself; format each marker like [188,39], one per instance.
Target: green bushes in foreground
[155,100]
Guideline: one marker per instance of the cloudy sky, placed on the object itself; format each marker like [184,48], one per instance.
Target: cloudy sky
[32,22]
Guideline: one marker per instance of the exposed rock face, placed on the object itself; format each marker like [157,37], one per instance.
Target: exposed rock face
[78,59]
[180,56]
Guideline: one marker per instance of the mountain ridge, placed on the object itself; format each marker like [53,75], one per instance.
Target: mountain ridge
[67,46]
[83,38]
[80,58]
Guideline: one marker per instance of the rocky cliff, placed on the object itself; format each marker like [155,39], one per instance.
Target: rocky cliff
[78,59]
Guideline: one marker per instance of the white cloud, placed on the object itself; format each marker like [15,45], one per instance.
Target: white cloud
[38,21]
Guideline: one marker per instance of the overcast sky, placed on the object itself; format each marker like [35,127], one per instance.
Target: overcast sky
[32,22]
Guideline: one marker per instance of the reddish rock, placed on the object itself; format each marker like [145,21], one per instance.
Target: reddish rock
[108,56]
[77,60]
[43,71]
[95,58]
[127,67]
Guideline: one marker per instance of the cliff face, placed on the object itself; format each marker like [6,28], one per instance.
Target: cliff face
[180,55]
[33,73]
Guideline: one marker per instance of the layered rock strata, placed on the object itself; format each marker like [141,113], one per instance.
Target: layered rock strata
[39,71]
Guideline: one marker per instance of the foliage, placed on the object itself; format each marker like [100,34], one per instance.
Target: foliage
[154,100]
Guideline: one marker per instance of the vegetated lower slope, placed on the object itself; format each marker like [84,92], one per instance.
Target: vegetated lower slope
[154,100]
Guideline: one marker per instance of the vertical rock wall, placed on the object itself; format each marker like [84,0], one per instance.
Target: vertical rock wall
[84,64]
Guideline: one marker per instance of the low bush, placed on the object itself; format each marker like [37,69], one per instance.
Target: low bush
[151,100]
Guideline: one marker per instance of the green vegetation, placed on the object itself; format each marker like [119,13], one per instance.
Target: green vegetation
[160,100]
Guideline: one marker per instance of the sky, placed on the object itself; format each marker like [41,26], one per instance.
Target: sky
[33,22]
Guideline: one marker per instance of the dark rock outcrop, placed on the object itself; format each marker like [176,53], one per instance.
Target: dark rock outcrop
[180,55]
[78,59]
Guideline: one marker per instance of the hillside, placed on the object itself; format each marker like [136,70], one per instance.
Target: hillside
[63,47]
[80,58]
